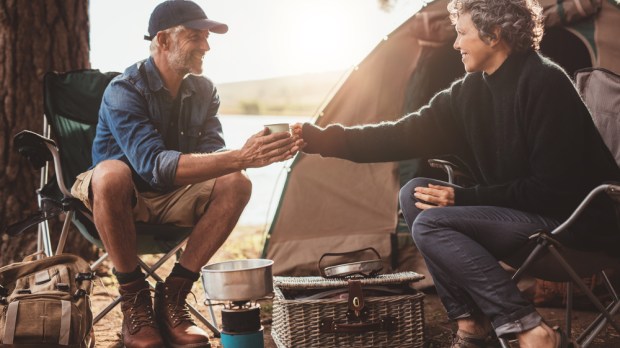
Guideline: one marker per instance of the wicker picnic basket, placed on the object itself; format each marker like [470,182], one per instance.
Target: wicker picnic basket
[392,314]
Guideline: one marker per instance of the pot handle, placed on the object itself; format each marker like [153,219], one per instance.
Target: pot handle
[346,253]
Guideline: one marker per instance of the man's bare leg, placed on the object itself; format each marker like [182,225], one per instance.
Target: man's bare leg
[228,199]
[230,195]
[112,189]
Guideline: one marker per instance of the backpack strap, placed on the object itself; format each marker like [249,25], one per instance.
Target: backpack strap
[65,323]
[11,322]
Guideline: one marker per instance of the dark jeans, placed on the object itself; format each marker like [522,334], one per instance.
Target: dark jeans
[462,245]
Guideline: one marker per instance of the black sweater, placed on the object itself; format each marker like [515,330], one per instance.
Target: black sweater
[523,131]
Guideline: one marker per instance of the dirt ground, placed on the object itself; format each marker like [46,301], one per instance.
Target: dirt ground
[437,327]
[243,244]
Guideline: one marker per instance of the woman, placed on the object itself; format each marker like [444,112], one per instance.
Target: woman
[518,123]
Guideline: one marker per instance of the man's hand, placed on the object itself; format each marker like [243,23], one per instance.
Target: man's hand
[262,149]
[436,195]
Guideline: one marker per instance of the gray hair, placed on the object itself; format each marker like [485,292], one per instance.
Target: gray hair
[154,47]
[520,21]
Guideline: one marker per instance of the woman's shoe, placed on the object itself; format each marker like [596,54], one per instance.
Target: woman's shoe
[462,339]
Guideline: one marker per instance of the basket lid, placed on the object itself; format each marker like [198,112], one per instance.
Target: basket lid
[323,283]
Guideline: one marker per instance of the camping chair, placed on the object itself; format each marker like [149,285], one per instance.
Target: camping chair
[72,102]
[549,259]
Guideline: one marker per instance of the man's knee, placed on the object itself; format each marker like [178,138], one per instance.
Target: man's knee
[236,186]
[112,180]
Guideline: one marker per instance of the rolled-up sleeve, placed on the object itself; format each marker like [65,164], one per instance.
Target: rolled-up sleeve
[165,169]
[124,112]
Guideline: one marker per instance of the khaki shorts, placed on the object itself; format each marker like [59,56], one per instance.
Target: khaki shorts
[182,207]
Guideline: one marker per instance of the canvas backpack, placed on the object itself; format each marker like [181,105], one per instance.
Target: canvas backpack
[45,303]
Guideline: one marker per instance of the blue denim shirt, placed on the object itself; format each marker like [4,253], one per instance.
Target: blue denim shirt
[135,115]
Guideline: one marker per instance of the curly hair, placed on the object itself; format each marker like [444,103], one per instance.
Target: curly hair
[520,21]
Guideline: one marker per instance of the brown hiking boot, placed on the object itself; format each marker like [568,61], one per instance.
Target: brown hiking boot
[139,326]
[177,327]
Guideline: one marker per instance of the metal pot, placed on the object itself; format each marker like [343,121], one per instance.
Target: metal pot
[239,280]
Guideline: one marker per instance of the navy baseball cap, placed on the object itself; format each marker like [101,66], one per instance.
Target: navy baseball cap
[171,13]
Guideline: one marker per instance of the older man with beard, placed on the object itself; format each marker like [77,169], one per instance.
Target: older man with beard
[159,157]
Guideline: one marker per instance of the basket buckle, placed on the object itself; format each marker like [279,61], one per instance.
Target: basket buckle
[357,310]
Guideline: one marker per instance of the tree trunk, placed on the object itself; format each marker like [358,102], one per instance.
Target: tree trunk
[36,36]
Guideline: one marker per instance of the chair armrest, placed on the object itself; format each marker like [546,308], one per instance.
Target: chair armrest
[452,170]
[613,190]
[34,147]
[39,150]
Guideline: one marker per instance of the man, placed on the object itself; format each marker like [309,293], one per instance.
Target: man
[518,123]
[159,157]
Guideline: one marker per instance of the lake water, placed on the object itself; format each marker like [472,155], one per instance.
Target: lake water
[267,182]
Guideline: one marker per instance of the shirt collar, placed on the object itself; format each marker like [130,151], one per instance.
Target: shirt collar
[152,74]
[155,82]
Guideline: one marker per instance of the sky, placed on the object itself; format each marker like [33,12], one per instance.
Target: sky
[266,38]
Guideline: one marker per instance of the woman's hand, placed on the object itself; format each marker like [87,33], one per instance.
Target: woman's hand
[436,195]
[298,136]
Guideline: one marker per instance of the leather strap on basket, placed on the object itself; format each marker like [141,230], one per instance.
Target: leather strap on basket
[386,323]
[357,310]
[357,316]
[347,253]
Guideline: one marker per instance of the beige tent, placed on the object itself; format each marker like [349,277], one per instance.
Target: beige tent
[332,205]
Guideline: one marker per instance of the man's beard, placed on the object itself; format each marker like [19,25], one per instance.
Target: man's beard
[182,62]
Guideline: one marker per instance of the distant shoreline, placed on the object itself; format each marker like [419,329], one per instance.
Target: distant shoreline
[265,108]
[285,113]
[300,95]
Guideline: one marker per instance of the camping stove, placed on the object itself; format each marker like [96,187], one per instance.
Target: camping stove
[241,326]
[239,283]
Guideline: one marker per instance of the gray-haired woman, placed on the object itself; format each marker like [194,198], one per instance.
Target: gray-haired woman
[518,123]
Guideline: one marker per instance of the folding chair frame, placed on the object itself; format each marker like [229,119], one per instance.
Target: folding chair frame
[44,245]
[150,270]
[546,243]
